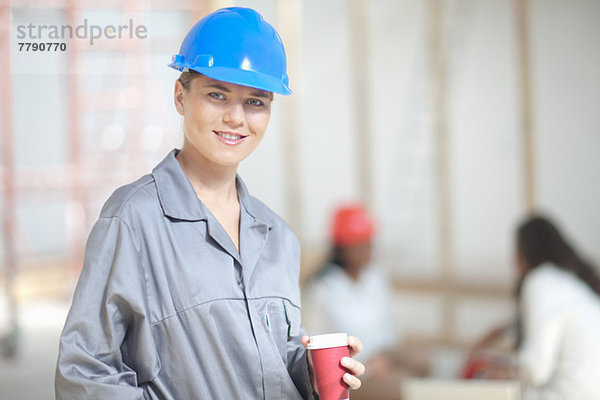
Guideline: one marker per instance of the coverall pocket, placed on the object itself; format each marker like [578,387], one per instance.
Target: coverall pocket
[283,323]
[292,318]
[277,325]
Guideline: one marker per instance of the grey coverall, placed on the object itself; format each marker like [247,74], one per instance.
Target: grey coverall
[166,307]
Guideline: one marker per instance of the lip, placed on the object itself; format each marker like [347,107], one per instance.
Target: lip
[230,142]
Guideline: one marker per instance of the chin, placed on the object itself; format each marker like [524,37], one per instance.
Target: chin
[232,159]
[229,161]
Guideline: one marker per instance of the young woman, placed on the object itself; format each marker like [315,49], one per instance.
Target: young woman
[559,304]
[189,286]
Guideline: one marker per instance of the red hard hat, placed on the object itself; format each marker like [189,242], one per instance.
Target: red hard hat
[352,225]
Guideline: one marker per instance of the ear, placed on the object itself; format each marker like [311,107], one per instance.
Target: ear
[178,97]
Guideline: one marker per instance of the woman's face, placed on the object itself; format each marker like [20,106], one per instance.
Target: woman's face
[358,255]
[223,122]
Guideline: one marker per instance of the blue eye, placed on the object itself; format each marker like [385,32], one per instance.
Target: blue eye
[216,96]
[256,102]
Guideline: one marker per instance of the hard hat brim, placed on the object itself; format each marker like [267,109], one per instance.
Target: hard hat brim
[239,77]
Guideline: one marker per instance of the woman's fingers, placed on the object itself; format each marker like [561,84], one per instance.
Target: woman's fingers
[352,381]
[356,368]
[355,344]
[305,339]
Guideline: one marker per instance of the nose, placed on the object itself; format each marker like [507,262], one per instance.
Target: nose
[234,114]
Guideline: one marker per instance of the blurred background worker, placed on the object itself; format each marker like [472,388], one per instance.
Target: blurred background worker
[557,329]
[350,293]
[559,314]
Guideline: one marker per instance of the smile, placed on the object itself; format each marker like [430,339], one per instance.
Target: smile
[230,137]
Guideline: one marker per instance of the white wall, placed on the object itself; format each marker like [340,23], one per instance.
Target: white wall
[566,91]
[485,168]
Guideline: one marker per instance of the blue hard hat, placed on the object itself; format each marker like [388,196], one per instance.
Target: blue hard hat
[235,45]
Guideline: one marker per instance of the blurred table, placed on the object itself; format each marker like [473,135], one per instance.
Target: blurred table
[432,389]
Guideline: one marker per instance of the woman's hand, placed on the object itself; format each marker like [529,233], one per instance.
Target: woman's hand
[356,368]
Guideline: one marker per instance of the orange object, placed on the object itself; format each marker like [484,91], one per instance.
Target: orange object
[352,225]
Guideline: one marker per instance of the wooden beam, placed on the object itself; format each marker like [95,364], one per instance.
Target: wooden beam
[361,99]
[9,208]
[289,26]
[456,289]
[524,56]
[441,140]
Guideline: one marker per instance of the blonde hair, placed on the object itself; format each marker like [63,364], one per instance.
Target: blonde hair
[186,78]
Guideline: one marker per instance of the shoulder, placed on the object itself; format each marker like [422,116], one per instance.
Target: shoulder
[549,284]
[544,276]
[136,196]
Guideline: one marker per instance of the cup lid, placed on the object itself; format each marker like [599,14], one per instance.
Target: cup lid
[328,340]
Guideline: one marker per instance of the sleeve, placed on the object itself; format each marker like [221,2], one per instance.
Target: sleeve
[542,328]
[106,347]
[298,365]
[297,361]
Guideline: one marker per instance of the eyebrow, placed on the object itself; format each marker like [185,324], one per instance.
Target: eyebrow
[261,93]
[219,87]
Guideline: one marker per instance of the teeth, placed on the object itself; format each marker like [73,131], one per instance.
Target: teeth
[229,136]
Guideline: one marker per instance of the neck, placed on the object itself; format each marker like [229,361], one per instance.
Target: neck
[353,271]
[211,182]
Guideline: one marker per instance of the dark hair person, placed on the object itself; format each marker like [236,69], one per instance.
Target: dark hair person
[539,241]
[559,315]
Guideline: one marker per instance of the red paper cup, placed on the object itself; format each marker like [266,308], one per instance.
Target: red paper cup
[327,352]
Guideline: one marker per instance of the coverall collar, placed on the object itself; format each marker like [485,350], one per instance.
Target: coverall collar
[175,191]
[179,200]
